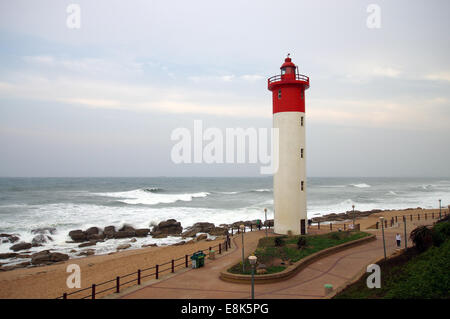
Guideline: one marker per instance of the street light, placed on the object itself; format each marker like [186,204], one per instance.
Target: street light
[382,230]
[404,225]
[265,221]
[440,209]
[353,206]
[242,227]
[252,259]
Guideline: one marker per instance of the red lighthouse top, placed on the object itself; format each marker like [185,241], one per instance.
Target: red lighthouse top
[288,88]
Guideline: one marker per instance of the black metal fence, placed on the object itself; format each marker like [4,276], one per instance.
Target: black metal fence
[95,290]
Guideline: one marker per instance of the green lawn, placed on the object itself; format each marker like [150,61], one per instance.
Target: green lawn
[273,255]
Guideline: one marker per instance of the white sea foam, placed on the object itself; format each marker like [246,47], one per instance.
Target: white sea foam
[362,185]
[143,197]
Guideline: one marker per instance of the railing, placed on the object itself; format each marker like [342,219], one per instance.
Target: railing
[156,271]
[279,77]
[391,222]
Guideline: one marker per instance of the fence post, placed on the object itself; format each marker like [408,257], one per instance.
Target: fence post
[331,226]
[418,216]
[93,291]
[139,276]
[251,227]
[425,215]
[187,261]
[411,217]
[220,248]
[318,225]
[344,226]
[432,215]
[117,284]
[239,231]
[173,266]
[396,219]
[232,231]
[65,295]
[157,272]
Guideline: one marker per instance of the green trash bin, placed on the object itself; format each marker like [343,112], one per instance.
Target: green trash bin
[194,259]
[201,259]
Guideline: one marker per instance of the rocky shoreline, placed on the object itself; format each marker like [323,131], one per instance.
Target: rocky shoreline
[171,227]
[348,215]
[93,235]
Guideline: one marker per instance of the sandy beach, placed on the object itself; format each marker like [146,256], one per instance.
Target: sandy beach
[50,281]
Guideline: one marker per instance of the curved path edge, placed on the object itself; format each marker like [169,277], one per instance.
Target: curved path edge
[296,267]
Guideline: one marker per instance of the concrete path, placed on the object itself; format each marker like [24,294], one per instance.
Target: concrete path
[336,269]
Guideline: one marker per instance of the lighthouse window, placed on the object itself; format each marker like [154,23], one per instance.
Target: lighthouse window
[279,94]
[301,153]
[302,185]
[301,121]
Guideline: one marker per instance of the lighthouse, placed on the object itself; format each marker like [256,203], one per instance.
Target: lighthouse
[289,181]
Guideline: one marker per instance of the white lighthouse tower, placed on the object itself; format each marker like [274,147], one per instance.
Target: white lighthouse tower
[289,182]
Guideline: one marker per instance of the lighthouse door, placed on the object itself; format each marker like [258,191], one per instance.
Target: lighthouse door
[302,227]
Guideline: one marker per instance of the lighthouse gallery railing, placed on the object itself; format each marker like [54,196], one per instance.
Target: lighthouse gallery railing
[298,77]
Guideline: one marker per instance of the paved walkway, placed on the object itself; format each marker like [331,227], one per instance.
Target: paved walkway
[336,269]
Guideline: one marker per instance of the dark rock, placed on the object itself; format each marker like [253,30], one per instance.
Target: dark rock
[124,246]
[201,237]
[160,235]
[96,237]
[124,234]
[41,239]
[89,243]
[92,231]
[179,243]
[165,228]
[9,238]
[87,252]
[133,240]
[21,246]
[218,231]
[7,255]
[46,257]
[202,227]
[142,232]
[23,256]
[127,228]
[109,231]
[44,230]
[78,235]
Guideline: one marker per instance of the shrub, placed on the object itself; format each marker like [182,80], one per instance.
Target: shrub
[301,242]
[279,241]
[422,237]
[441,232]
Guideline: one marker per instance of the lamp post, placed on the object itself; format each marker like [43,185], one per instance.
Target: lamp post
[406,240]
[382,230]
[440,209]
[353,206]
[242,227]
[252,260]
[265,221]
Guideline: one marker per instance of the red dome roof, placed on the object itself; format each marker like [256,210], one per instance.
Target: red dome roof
[287,63]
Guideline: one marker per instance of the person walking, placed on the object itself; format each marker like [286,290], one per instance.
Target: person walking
[398,238]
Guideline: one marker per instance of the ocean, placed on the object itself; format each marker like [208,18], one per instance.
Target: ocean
[78,203]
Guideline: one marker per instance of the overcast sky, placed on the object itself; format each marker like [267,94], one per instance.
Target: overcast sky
[102,100]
